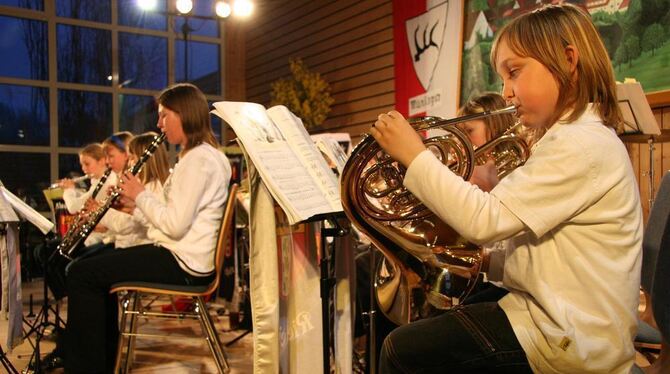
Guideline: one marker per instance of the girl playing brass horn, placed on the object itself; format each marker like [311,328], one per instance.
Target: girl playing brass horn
[572,211]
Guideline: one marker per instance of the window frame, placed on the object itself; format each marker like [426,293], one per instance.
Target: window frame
[53,85]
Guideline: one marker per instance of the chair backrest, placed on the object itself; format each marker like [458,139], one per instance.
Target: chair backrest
[660,291]
[653,233]
[224,230]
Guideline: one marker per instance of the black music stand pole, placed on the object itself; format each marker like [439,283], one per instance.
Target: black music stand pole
[327,283]
[6,363]
[41,322]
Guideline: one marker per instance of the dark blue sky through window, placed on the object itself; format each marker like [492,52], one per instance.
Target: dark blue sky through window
[142,61]
[138,114]
[69,166]
[26,174]
[84,55]
[203,65]
[91,10]
[24,115]
[28,4]
[23,47]
[83,117]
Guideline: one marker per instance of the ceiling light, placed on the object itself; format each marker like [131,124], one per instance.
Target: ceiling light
[147,5]
[243,8]
[184,6]
[222,9]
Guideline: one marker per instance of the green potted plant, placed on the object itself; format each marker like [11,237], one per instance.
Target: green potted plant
[305,93]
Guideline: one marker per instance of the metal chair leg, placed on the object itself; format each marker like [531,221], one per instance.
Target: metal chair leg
[125,300]
[212,336]
[135,310]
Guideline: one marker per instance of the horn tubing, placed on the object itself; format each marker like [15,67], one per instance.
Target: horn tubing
[471,117]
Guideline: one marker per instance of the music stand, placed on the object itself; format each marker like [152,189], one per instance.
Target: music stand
[41,321]
[11,208]
[640,125]
[327,279]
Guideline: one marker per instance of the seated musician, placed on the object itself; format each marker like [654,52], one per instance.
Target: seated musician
[127,231]
[93,163]
[479,132]
[182,224]
[572,212]
[485,176]
[116,158]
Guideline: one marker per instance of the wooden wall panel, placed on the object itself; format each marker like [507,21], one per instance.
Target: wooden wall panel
[349,42]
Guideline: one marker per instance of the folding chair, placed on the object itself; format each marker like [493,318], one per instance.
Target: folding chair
[131,303]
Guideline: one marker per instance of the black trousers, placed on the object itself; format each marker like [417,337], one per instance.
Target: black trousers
[472,338]
[92,329]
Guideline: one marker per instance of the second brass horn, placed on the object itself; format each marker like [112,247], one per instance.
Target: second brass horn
[428,265]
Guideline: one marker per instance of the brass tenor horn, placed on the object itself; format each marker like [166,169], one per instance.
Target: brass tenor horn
[428,264]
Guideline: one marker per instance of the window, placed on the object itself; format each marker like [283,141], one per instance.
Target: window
[94,90]
[137,114]
[84,55]
[198,26]
[202,65]
[23,49]
[68,166]
[24,115]
[98,10]
[142,61]
[29,178]
[83,117]
[28,4]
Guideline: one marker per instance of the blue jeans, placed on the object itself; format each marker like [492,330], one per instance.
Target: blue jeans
[472,338]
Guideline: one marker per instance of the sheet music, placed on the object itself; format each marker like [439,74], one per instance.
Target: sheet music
[7,213]
[25,211]
[289,180]
[332,149]
[298,137]
[636,111]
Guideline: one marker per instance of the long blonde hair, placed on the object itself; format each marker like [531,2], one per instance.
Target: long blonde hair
[487,101]
[156,167]
[93,150]
[544,35]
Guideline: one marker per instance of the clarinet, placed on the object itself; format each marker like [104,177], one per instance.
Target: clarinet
[68,246]
[102,181]
[79,217]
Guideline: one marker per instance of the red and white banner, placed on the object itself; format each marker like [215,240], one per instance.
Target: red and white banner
[428,42]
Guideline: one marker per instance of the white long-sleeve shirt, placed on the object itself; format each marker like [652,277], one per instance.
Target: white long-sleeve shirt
[186,218]
[127,231]
[75,199]
[573,269]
